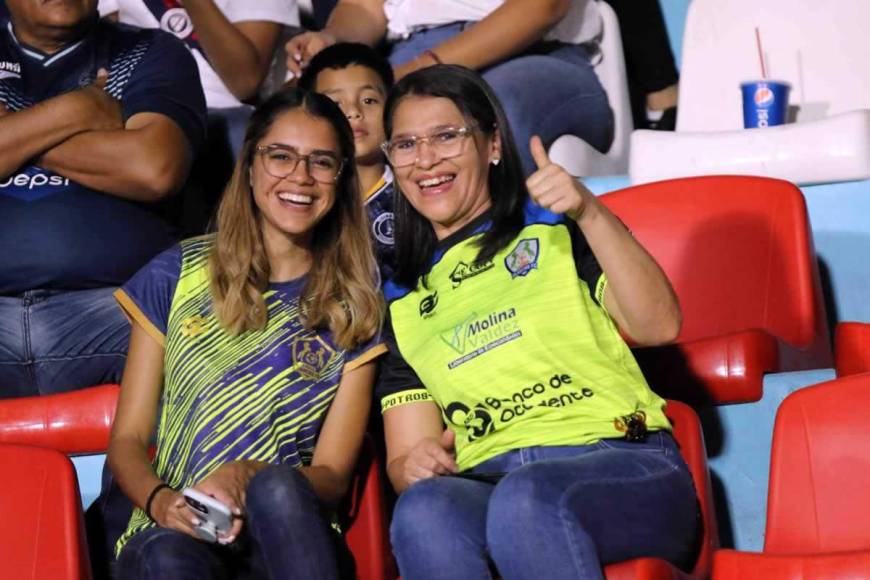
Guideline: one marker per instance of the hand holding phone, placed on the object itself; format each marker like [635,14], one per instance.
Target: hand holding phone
[215,517]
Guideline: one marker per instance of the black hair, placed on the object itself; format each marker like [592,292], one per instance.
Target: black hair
[414,237]
[343,55]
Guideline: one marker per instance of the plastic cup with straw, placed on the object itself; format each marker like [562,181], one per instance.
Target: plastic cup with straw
[765,101]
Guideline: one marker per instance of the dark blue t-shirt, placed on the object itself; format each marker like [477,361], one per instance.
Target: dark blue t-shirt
[379,206]
[57,234]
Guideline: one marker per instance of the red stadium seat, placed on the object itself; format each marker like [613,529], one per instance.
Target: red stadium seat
[367,534]
[852,348]
[41,526]
[818,507]
[79,422]
[740,255]
[733,565]
[688,434]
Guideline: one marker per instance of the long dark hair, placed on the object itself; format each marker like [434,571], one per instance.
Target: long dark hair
[415,238]
[339,293]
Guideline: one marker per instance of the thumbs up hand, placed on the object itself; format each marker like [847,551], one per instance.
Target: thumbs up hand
[553,188]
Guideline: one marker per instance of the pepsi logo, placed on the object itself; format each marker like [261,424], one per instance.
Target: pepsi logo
[763,96]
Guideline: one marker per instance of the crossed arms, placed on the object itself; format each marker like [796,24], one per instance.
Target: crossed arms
[81,135]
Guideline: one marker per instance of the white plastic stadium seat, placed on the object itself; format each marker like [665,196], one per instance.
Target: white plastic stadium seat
[575,155]
[820,48]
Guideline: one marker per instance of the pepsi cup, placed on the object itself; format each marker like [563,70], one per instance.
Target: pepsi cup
[765,103]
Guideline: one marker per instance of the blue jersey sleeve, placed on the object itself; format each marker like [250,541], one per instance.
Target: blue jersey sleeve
[147,296]
[166,81]
[365,352]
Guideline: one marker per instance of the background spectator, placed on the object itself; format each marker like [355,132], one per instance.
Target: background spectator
[233,42]
[97,124]
[358,79]
[534,53]
[649,62]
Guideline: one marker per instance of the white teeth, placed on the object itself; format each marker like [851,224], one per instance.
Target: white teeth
[295,198]
[432,181]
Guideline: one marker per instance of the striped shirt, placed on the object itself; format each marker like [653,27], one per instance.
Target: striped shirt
[262,395]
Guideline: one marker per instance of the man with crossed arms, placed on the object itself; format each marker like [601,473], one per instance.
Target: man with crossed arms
[98,125]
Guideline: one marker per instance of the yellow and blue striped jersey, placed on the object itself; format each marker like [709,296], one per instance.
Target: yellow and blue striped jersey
[261,395]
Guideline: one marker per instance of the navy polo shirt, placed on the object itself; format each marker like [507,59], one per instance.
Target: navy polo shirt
[56,233]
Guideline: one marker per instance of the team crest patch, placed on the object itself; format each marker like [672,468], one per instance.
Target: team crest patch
[310,356]
[523,258]
[383,228]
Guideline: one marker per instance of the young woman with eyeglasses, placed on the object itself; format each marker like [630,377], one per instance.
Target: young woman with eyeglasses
[252,354]
[521,434]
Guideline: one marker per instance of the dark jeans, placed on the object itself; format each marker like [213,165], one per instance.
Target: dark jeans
[105,521]
[54,341]
[560,512]
[649,61]
[286,535]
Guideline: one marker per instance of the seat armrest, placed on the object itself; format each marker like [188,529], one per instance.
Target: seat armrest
[833,149]
[77,422]
[735,565]
[723,369]
[580,159]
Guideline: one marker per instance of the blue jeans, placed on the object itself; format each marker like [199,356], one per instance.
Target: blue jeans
[560,512]
[549,94]
[54,341]
[286,535]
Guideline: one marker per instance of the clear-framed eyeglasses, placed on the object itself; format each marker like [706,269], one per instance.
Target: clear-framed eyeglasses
[446,142]
[280,161]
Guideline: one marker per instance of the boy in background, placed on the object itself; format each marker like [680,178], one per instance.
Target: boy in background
[357,78]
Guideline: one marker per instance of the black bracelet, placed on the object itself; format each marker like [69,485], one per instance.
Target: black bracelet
[151,497]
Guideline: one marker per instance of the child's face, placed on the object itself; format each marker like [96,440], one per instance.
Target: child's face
[360,93]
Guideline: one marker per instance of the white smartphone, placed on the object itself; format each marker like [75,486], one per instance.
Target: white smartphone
[215,517]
